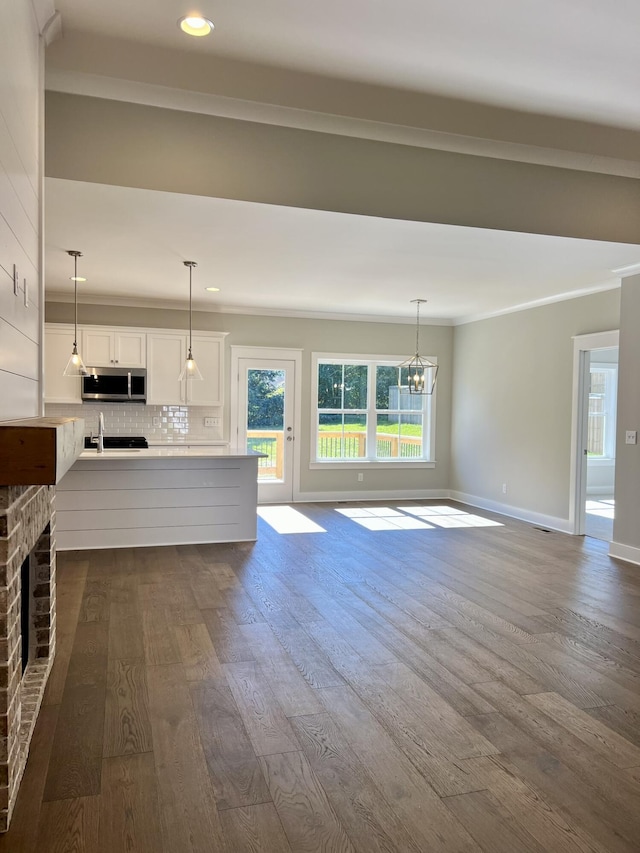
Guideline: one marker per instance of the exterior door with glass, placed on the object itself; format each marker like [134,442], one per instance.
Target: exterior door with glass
[266,422]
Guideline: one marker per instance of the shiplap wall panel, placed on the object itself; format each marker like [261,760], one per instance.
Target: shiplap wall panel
[14,311]
[17,175]
[12,252]
[133,498]
[125,519]
[116,503]
[137,537]
[18,354]
[110,478]
[20,168]
[20,88]
[19,397]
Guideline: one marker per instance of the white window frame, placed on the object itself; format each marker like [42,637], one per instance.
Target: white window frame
[429,415]
[611,400]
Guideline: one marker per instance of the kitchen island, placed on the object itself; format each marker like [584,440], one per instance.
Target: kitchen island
[169,495]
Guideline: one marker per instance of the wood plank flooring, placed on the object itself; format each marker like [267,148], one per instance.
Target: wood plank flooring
[444,690]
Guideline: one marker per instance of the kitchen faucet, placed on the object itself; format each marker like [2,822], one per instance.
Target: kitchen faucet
[100,442]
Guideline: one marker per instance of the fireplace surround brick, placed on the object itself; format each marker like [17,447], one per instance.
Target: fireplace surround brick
[27,527]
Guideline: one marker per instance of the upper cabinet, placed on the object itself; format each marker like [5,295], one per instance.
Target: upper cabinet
[162,351]
[58,343]
[166,355]
[208,352]
[113,347]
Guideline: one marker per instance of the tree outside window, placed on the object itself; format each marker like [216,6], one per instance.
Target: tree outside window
[364,412]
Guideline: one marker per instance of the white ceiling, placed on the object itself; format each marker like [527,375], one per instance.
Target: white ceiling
[562,57]
[287,260]
[575,58]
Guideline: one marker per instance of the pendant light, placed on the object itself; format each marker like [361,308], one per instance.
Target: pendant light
[75,365]
[190,369]
[421,372]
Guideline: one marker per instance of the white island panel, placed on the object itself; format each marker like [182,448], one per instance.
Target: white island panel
[187,496]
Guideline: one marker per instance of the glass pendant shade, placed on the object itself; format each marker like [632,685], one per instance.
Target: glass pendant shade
[75,365]
[418,374]
[190,370]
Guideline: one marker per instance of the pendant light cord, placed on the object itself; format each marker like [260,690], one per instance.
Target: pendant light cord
[75,299]
[190,312]
[191,265]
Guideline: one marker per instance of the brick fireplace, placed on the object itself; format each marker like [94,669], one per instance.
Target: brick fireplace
[27,602]
[34,455]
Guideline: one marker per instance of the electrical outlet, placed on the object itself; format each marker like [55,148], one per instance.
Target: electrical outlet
[631,436]
[212,422]
[360,477]
[156,421]
[504,488]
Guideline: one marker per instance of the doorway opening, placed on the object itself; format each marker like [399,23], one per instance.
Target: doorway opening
[594,434]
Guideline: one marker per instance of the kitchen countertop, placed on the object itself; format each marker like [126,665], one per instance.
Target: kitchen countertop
[170,452]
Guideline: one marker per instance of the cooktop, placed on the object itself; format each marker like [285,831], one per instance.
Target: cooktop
[118,442]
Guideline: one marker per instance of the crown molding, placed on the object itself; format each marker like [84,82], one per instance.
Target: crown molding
[148,94]
[538,303]
[249,311]
[625,272]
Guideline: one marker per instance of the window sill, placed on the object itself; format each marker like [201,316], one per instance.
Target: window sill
[367,463]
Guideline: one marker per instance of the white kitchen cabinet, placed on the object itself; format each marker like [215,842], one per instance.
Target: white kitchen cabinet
[162,351]
[113,347]
[58,343]
[208,353]
[171,496]
[166,355]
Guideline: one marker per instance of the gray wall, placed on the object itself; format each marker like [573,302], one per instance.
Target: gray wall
[109,142]
[20,189]
[626,529]
[312,336]
[512,402]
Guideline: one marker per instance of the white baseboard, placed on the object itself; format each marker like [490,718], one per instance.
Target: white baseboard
[624,552]
[563,525]
[384,495]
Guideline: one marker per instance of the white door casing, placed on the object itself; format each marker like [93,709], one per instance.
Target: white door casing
[276,489]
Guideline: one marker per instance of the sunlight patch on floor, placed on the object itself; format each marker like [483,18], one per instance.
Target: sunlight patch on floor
[286,519]
[414,517]
[601,508]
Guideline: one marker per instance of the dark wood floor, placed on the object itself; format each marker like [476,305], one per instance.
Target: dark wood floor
[456,690]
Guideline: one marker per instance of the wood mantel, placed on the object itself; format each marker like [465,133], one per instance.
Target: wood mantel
[39,451]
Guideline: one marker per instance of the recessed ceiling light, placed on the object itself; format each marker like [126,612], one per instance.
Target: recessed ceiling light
[194,25]
[213,289]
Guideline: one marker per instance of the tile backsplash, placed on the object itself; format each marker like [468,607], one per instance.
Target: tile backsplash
[159,424]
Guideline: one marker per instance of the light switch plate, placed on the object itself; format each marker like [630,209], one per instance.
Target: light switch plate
[212,422]
[631,436]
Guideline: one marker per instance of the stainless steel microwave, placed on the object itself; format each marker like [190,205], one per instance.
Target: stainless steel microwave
[115,384]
